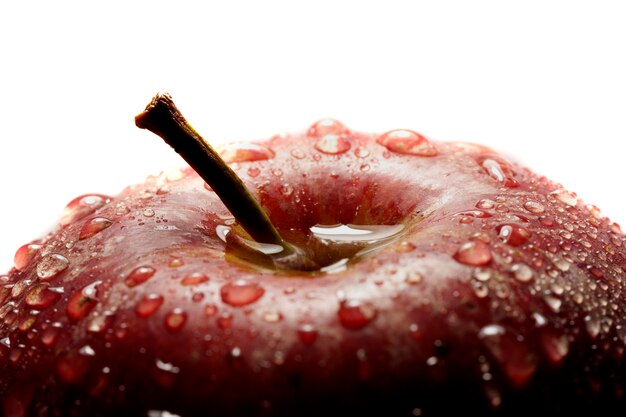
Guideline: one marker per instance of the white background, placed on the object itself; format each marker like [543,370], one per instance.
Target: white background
[543,81]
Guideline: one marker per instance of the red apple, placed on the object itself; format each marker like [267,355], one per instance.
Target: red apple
[377,275]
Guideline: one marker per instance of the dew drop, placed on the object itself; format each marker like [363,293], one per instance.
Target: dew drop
[72,367]
[175,320]
[253,172]
[596,272]
[240,293]
[5,292]
[413,278]
[554,345]
[148,305]
[40,297]
[94,226]
[298,154]
[101,323]
[485,204]
[407,142]
[51,265]
[592,324]
[307,334]
[356,314]
[82,302]
[325,127]
[225,321]
[474,253]
[272,316]
[522,272]
[332,144]
[565,197]
[362,152]
[534,207]
[195,278]
[49,335]
[478,214]
[82,206]
[210,310]
[286,190]
[24,255]
[513,234]
[245,152]
[553,302]
[510,352]
[139,276]
[148,212]
[480,289]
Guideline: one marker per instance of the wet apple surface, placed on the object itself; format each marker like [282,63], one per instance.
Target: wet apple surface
[446,279]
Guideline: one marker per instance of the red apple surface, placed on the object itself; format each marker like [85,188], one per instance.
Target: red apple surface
[422,278]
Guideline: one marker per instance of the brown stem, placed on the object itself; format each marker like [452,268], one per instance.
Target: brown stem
[163,118]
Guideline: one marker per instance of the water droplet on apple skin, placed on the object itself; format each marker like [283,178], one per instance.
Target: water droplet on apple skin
[175,320]
[475,253]
[40,297]
[82,206]
[407,142]
[356,314]
[139,275]
[51,265]
[245,152]
[148,305]
[25,254]
[240,293]
[93,227]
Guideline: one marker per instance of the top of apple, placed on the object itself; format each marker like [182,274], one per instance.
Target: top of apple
[336,271]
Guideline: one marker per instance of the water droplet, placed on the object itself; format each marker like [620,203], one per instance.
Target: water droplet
[225,321]
[240,293]
[554,345]
[40,297]
[332,144]
[24,255]
[139,276]
[148,212]
[51,265]
[175,263]
[286,190]
[210,310]
[245,152]
[72,367]
[298,154]
[82,206]
[513,234]
[362,152]
[272,316]
[26,323]
[356,314]
[307,334]
[510,352]
[49,335]
[101,323]
[407,142]
[325,127]
[534,207]
[596,272]
[561,264]
[413,278]
[175,320]
[5,292]
[195,278]
[480,289]
[479,214]
[474,253]
[565,197]
[592,324]
[364,168]
[94,226]
[553,302]
[485,204]
[148,305]
[522,272]
[82,302]
[253,172]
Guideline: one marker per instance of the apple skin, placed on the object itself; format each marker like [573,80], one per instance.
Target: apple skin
[503,295]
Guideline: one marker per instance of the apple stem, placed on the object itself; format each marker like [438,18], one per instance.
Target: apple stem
[163,118]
